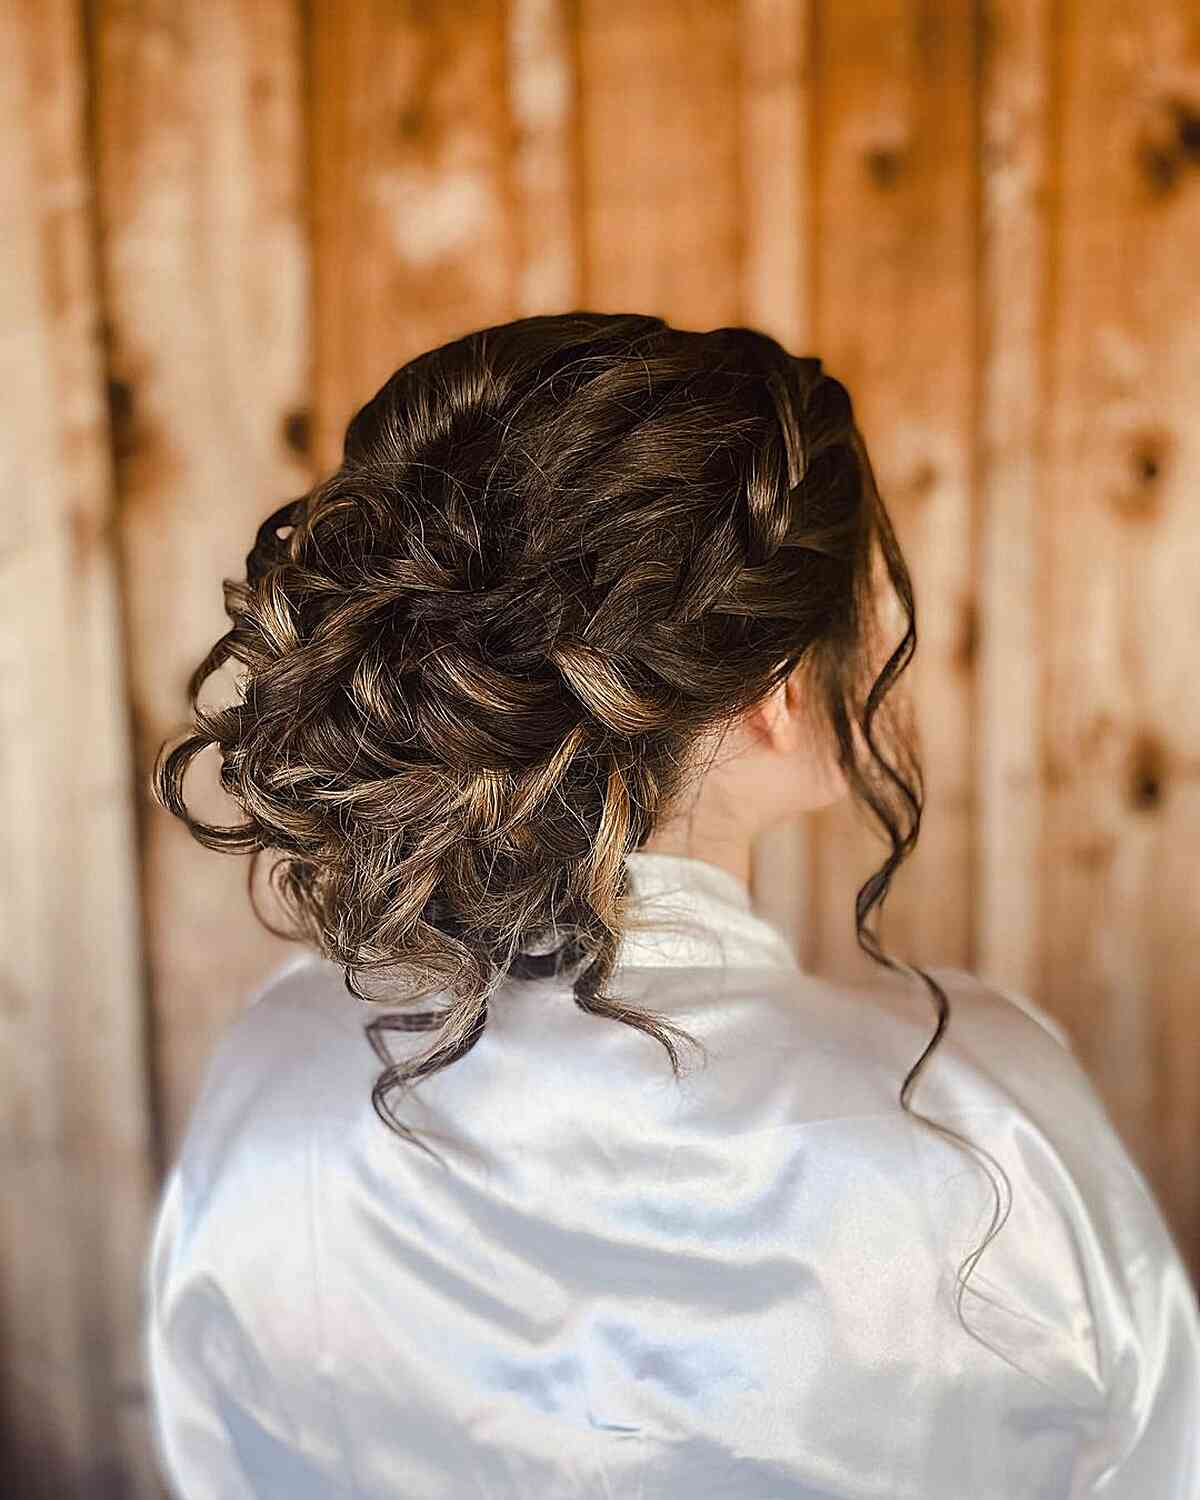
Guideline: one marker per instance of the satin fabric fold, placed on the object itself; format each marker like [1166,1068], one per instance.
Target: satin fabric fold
[741,1284]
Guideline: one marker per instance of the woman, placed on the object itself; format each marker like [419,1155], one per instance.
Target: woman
[590,602]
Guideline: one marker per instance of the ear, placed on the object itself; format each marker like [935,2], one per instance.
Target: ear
[776,722]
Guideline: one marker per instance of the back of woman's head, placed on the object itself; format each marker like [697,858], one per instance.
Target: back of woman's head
[559,557]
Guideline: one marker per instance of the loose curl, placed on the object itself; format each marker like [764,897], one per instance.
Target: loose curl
[558,556]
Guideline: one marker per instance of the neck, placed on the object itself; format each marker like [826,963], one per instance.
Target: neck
[726,847]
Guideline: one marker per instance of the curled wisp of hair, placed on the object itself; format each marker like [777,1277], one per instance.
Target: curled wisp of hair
[557,556]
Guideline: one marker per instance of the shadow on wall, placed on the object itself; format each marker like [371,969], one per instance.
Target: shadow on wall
[38,1462]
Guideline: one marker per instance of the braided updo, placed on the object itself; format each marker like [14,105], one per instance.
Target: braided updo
[558,555]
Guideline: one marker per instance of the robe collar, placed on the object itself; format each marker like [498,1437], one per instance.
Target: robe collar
[685,912]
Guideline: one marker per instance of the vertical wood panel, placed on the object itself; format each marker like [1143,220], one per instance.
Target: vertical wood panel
[775,112]
[894,320]
[1121,563]
[661,159]
[75,1206]
[198,110]
[414,220]
[543,92]
[1015,121]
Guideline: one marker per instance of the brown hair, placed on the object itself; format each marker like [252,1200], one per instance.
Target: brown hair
[557,555]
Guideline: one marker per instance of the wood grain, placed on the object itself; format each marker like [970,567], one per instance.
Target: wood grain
[543,92]
[1015,51]
[1120,561]
[661,159]
[198,115]
[894,319]
[77,1144]
[225,224]
[413,191]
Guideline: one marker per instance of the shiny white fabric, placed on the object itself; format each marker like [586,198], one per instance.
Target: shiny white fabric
[736,1287]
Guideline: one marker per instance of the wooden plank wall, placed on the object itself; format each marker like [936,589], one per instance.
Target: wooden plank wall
[78,1164]
[226,221]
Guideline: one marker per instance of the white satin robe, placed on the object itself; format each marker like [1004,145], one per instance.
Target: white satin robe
[738,1287]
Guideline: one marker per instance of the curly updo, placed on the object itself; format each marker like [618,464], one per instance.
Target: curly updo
[558,556]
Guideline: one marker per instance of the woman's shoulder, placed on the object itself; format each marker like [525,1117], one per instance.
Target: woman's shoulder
[996,1040]
[987,995]
[262,1082]
[997,1048]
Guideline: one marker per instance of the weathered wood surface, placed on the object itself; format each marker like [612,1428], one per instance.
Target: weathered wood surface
[225,224]
[78,1163]
[1118,569]
[413,217]
[894,247]
[1013,299]
[202,230]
